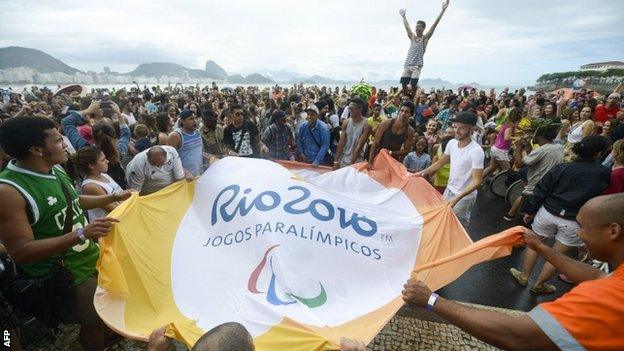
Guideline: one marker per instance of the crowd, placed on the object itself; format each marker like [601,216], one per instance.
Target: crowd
[93,149]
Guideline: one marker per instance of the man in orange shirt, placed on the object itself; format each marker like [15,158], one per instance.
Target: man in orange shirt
[589,317]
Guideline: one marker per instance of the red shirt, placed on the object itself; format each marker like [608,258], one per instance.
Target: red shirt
[603,114]
[617,181]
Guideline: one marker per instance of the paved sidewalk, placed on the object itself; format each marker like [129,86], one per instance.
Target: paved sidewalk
[410,329]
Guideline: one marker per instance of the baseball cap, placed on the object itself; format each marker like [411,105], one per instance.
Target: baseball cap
[312,108]
[151,107]
[186,114]
[427,112]
[465,117]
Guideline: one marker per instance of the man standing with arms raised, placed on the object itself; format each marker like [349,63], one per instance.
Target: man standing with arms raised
[414,62]
[466,159]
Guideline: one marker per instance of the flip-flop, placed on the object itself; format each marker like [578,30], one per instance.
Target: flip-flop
[509,218]
[517,275]
[544,289]
[565,278]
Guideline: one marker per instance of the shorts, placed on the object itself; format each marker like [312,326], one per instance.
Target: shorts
[82,310]
[499,154]
[563,230]
[412,72]
[8,319]
[463,209]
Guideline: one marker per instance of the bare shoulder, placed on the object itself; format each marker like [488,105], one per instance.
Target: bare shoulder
[14,222]
[345,123]
[93,189]
[173,139]
[10,199]
[385,123]
[12,206]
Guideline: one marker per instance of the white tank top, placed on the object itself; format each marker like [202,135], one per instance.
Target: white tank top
[111,187]
[576,134]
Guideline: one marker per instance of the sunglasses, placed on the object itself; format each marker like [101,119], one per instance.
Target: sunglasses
[239,113]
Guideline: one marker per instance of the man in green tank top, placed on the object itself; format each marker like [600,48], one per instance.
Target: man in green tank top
[33,207]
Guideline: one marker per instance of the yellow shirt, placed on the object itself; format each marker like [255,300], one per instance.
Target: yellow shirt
[374,124]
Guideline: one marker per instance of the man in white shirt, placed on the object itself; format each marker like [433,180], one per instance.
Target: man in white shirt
[154,169]
[466,159]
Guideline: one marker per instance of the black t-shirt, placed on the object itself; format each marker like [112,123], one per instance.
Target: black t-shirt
[245,146]
[617,133]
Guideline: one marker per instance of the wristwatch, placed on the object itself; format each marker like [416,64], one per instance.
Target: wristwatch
[81,236]
[432,300]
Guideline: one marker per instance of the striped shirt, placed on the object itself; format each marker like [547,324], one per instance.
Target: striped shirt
[191,151]
[416,52]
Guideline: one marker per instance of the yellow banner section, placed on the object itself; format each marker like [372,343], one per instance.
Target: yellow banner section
[135,264]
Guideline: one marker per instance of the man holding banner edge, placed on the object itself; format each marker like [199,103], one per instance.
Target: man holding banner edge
[570,322]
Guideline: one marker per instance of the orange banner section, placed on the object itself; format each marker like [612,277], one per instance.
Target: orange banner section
[438,273]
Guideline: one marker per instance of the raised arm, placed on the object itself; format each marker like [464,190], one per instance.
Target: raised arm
[410,34]
[435,24]
[341,144]
[381,129]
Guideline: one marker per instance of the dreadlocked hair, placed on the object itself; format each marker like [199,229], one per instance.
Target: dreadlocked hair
[106,138]
[78,164]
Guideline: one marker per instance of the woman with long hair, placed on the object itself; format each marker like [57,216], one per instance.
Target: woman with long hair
[581,129]
[89,165]
[114,145]
[164,122]
[500,150]
[432,134]
[550,111]
[114,148]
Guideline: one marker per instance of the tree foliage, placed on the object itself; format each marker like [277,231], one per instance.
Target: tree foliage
[613,72]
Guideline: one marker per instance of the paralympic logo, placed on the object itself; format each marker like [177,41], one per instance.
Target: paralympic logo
[271,294]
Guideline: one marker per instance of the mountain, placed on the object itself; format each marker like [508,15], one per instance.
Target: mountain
[215,71]
[283,76]
[316,79]
[254,78]
[158,69]
[16,56]
[426,82]
[235,79]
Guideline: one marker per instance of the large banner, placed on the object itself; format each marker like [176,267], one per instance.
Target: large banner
[300,256]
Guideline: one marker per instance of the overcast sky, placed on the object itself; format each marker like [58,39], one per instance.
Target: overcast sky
[486,41]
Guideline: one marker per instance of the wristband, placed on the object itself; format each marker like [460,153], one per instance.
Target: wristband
[432,300]
[81,236]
